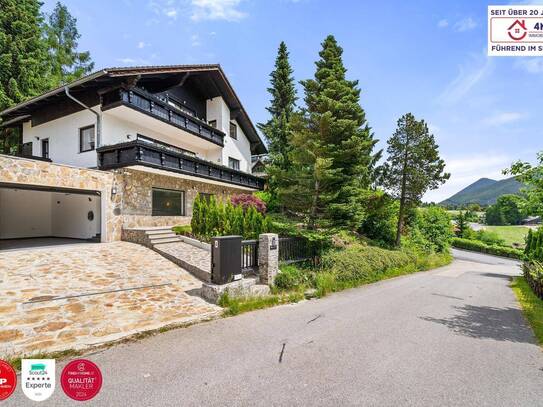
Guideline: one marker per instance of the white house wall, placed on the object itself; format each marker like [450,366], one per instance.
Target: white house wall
[69,215]
[63,135]
[24,213]
[240,149]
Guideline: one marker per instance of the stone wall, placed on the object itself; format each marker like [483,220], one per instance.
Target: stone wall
[137,197]
[17,170]
[131,204]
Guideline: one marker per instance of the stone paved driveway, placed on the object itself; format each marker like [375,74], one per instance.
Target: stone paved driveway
[75,297]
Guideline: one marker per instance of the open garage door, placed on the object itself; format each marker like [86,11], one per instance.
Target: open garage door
[33,212]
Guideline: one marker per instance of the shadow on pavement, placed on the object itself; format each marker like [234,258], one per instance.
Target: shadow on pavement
[504,276]
[500,324]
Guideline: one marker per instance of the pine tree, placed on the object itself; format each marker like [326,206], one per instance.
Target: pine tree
[62,35]
[413,165]
[337,166]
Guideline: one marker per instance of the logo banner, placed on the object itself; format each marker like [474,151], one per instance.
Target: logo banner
[38,378]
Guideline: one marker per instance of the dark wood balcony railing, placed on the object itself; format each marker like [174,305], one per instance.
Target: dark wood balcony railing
[139,152]
[144,102]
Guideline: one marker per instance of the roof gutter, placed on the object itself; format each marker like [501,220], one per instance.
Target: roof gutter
[98,116]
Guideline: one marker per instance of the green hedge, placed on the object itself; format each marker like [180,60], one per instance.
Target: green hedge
[361,263]
[478,246]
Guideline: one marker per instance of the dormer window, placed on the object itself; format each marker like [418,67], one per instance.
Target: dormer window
[233,131]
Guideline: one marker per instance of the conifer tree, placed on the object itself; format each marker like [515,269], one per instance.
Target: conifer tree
[413,165]
[333,162]
[282,104]
[62,35]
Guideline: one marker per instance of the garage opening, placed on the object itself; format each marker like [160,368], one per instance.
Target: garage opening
[38,216]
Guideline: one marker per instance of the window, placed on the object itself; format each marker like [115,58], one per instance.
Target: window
[167,202]
[213,123]
[45,148]
[233,163]
[233,131]
[86,139]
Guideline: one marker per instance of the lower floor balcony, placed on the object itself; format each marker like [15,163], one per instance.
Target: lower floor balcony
[139,152]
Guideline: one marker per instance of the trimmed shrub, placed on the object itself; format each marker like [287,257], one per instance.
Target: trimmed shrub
[216,218]
[247,200]
[361,263]
[478,246]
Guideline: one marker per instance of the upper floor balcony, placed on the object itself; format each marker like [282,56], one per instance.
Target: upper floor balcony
[143,102]
[164,157]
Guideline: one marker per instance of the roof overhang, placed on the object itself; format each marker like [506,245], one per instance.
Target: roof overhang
[211,74]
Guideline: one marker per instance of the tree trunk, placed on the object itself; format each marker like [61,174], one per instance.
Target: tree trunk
[313,211]
[401,213]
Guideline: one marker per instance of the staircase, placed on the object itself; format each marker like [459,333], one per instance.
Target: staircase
[164,241]
[161,235]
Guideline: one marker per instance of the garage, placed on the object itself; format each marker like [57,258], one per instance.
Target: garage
[33,216]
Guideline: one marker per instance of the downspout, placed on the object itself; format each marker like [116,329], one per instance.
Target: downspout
[98,116]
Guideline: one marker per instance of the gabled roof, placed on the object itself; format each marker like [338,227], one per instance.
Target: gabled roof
[210,76]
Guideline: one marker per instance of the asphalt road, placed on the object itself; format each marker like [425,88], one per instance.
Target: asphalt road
[453,336]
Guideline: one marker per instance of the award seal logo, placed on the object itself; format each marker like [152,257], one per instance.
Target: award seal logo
[8,380]
[81,379]
[38,378]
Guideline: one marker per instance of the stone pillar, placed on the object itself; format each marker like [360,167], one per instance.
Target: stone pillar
[268,257]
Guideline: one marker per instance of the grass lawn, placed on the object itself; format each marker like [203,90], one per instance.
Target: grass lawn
[532,306]
[511,234]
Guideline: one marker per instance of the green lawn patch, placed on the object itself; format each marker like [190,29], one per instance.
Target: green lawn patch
[532,306]
[513,235]
[239,305]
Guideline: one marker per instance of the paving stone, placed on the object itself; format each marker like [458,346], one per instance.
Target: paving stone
[99,312]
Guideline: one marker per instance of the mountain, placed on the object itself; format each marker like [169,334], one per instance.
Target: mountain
[484,191]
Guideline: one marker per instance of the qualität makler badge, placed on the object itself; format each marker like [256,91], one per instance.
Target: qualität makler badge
[81,379]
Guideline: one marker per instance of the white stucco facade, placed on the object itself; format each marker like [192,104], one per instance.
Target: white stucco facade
[123,124]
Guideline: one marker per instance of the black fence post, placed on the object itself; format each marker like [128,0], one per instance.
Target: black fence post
[225,258]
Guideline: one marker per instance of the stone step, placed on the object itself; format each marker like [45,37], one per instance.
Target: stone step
[152,232]
[162,240]
[161,235]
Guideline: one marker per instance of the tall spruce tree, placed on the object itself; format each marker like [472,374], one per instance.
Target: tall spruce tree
[277,129]
[339,142]
[413,166]
[62,35]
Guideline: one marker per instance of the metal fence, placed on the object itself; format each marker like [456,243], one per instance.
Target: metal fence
[295,249]
[249,256]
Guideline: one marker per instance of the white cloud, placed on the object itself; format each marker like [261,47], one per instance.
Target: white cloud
[171,13]
[504,118]
[530,65]
[217,10]
[468,77]
[195,40]
[142,44]
[443,23]
[465,24]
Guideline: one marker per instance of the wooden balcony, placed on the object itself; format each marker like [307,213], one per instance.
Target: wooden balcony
[139,152]
[146,103]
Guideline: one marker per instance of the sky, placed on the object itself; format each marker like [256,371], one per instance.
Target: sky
[424,57]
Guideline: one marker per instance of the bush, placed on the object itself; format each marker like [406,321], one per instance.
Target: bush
[431,230]
[381,219]
[291,277]
[361,263]
[478,246]
[215,218]
[247,201]
[534,245]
